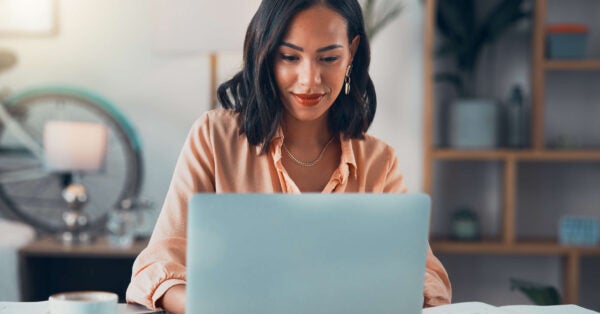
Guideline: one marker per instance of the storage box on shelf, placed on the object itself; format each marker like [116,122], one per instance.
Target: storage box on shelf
[566,41]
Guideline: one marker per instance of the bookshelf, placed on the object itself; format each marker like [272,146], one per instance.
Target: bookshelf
[510,161]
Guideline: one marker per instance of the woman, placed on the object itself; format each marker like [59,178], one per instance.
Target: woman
[294,121]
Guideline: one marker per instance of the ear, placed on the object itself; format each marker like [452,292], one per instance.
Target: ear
[354,46]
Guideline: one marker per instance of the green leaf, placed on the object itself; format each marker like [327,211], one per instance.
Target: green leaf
[386,19]
[453,79]
[367,7]
[373,21]
[456,19]
[446,48]
[502,17]
[538,294]
[465,38]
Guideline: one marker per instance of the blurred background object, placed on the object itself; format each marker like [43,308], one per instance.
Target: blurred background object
[378,14]
[465,225]
[177,20]
[465,35]
[31,186]
[28,17]
[124,221]
[73,149]
[579,230]
[7,59]
[538,294]
[566,41]
[15,235]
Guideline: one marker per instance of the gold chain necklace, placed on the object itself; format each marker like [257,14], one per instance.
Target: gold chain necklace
[307,163]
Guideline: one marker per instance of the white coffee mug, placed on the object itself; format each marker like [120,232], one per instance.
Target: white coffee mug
[83,302]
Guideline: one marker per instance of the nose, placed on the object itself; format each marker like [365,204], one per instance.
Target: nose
[309,74]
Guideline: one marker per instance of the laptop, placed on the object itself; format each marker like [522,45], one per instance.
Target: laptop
[306,253]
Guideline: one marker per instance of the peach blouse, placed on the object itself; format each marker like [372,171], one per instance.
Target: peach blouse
[216,158]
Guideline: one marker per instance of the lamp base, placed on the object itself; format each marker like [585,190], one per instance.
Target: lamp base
[76,220]
[75,238]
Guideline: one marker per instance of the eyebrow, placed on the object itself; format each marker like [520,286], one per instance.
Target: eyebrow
[326,48]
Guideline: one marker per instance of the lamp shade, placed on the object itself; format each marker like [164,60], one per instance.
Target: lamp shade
[74,146]
[27,17]
[202,26]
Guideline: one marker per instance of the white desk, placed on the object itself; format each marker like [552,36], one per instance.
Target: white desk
[42,308]
[457,308]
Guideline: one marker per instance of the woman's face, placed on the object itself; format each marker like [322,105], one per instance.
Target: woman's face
[311,62]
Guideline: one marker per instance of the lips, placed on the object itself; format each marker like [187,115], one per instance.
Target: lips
[308,100]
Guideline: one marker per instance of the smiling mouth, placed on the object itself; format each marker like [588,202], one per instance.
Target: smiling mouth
[308,100]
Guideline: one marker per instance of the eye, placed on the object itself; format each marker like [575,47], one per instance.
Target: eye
[289,58]
[330,59]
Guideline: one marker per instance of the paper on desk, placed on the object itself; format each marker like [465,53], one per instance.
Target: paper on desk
[482,308]
[42,308]
[464,308]
[553,309]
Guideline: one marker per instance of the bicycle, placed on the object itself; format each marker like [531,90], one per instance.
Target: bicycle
[33,195]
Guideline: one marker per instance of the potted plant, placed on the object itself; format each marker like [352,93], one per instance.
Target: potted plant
[378,16]
[473,120]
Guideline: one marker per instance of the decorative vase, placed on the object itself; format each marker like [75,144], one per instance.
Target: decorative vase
[473,124]
[465,225]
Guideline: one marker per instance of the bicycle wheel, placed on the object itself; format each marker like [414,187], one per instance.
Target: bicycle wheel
[36,199]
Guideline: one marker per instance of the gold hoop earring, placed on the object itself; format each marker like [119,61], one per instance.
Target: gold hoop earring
[347,79]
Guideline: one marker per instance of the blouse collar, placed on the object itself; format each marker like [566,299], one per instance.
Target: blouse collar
[348,160]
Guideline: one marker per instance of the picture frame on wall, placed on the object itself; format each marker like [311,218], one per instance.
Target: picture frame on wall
[28,18]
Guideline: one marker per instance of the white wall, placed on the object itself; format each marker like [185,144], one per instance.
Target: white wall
[397,71]
[108,46]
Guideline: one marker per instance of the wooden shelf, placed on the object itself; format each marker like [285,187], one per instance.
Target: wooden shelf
[471,154]
[572,65]
[519,248]
[561,155]
[523,155]
[50,246]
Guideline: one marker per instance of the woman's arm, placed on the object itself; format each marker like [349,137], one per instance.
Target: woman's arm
[173,301]
[161,266]
[437,290]
[437,284]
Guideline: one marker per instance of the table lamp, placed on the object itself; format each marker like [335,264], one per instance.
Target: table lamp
[73,148]
[205,27]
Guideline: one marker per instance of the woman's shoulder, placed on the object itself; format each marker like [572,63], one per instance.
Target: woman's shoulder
[218,122]
[372,147]
[218,116]
[374,142]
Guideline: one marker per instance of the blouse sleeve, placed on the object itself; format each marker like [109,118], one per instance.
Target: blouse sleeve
[161,264]
[437,284]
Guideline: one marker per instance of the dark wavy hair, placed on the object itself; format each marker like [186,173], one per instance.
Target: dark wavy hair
[253,91]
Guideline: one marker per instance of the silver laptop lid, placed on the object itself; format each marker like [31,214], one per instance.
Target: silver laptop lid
[306,253]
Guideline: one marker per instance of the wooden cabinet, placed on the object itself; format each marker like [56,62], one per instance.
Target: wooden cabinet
[509,166]
[48,267]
